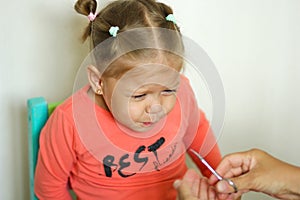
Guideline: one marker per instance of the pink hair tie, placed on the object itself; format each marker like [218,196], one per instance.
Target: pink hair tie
[92,16]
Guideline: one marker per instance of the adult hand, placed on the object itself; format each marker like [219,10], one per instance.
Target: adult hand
[258,171]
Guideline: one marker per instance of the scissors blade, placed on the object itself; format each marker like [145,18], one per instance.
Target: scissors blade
[207,165]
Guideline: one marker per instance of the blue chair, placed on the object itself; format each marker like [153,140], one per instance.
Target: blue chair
[38,111]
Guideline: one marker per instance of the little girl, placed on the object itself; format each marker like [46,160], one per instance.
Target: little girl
[125,134]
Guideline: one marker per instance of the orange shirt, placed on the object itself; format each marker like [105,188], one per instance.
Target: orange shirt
[82,147]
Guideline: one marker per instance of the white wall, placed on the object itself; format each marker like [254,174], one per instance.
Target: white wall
[254,44]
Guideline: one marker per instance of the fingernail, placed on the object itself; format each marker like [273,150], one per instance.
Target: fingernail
[221,186]
[176,184]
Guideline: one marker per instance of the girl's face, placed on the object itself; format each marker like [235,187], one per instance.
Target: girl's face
[142,96]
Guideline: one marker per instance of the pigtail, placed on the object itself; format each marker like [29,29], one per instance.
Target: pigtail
[159,12]
[167,10]
[86,7]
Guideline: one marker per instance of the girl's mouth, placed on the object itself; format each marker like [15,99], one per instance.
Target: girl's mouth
[147,124]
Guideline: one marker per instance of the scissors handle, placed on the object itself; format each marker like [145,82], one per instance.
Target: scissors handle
[232,184]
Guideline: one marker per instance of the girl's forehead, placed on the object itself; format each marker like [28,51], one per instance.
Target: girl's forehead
[151,71]
[149,74]
[145,62]
[155,87]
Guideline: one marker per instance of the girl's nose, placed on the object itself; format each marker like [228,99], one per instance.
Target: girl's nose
[154,108]
[155,112]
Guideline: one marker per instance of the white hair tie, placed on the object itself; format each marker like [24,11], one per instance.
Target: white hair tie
[113,31]
[171,18]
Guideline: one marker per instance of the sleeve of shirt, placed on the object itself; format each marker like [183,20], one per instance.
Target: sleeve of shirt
[56,158]
[199,136]
[205,143]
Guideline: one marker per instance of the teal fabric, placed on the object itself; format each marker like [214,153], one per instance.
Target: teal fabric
[37,116]
[38,111]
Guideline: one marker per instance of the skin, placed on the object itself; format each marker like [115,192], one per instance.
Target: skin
[140,98]
[253,170]
[194,187]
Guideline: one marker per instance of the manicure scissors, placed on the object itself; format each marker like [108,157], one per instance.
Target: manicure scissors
[219,177]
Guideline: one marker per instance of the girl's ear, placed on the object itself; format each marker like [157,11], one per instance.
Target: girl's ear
[94,77]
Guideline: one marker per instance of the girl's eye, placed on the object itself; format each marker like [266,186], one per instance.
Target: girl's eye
[168,92]
[138,97]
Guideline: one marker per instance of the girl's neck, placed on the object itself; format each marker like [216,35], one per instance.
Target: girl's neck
[98,99]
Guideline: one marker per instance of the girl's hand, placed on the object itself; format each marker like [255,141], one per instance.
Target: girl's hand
[194,187]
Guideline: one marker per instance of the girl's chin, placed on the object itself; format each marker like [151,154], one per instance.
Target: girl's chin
[148,128]
[137,127]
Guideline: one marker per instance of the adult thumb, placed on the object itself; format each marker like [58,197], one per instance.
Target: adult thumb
[241,183]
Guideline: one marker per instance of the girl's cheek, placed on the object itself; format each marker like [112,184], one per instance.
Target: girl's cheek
[169,104]
[135,110]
